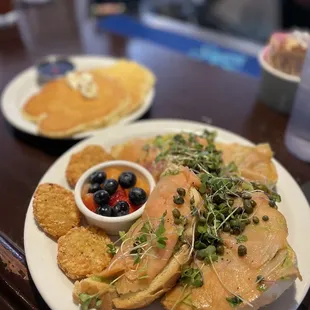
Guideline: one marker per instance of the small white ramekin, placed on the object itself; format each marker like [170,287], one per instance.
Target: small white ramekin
[277,89]
[111,225]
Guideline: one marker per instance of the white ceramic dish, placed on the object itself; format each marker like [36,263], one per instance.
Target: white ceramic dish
[41,251]
[112,225]
[24,85]
[277,89]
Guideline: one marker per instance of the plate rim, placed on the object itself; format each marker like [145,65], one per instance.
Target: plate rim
[163,122]
[9,88]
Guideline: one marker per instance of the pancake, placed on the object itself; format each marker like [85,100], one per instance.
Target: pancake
[136,79]
[61,110]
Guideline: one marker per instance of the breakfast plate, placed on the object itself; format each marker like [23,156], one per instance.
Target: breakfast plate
[41,251]
[24,85]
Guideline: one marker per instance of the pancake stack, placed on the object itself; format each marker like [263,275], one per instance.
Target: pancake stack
[89,99]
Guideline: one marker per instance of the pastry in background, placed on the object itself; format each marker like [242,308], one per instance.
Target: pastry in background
[287,51]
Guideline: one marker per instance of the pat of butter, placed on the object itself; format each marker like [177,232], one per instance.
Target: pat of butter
[82,82]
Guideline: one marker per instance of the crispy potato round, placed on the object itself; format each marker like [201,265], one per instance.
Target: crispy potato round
[83,160]
[82,252]
[55,210]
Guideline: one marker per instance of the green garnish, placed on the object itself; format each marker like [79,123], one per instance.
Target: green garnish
[262,287]
[191,276]
[99,279]
[86,300]
[234,301]
[112,249]
[161,240]
[242,238]
[122,235]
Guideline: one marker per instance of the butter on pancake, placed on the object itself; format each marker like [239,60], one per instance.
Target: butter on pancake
[62,110]
[136,79]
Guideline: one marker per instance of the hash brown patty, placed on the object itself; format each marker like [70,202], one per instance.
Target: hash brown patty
[82,252]
[55,210]
[80,162]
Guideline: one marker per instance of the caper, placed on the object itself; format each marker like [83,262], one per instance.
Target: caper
[233,223]
[217,199]
[253,203]
[248,222]
[259,278]
[226,227]
[178,200]
[220,250]
[237,230]
[242,250]
[202,220]
[231,202]
[265,218]
[238,210]
[177,221]
[176,213]
[247,206]
[255,220]
[246,195]
[181,191]
[242,227]
[244,216]
[192,201]
[272,203]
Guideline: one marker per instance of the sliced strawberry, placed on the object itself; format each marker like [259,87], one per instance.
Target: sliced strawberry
[120,194]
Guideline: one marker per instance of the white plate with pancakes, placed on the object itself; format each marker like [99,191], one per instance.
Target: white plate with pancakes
[24,87]
[43,264]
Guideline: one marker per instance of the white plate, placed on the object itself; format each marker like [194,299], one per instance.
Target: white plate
[24,85]
[41,251]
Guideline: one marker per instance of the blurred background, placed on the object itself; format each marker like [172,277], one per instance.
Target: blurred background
[251,19]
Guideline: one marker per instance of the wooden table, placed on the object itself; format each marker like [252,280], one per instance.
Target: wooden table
[186,89]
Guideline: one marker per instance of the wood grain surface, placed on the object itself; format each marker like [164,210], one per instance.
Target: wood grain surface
[186,89]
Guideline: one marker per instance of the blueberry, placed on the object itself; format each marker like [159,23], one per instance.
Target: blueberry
[127,179]
[98,177]
[104,210]
[137,196]
[93,188]
[121,208]
[110,185]
[101,197]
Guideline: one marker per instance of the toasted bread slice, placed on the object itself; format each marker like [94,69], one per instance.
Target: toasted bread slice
[83,160]
[55,210]
[83,252]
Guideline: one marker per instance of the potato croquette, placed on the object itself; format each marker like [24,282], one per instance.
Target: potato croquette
[83,160]
[83,252]
[55,210]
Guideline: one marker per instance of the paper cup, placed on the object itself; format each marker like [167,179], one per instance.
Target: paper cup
[277,89]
